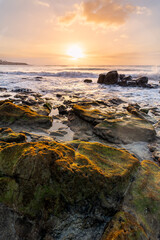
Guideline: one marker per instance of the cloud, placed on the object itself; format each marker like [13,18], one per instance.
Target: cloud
[102,12]
[68,18]
[44,4]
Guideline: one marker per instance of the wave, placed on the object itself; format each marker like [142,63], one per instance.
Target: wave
[153,75]
[65,74]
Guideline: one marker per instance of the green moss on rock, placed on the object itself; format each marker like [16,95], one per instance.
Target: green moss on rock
[123,226]
[7,135]
[11,113]
[49,177]
[143,199]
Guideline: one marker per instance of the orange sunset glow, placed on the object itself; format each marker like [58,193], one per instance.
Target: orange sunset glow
[111,32]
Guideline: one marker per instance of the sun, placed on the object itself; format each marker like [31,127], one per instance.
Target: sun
[75,51]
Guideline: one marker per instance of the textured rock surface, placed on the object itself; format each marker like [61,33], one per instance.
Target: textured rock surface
[143,199]
[117,127]
[110,78]
[11,113]
[45,177]
[7,135]
[124,227]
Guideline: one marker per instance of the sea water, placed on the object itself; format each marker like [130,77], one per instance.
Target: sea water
[69,80]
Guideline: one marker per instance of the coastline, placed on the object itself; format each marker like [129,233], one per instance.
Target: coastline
[78,166]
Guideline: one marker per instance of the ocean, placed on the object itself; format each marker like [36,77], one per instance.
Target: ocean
[69,80]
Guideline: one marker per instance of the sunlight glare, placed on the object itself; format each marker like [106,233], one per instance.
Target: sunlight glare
[75,51]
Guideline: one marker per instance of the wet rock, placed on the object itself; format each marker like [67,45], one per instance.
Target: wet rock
[58,95]
[49,177]
[101,78]
[116,101]
[143,198]
[6,96]
[110,78]
[7,135]
[118,127]
[88,81]
[11,113]
[3,89]
[142,81]
[124,226]
[59,133]
[121,76]
[62,110]
[125,130]
[132,83]
[22,90]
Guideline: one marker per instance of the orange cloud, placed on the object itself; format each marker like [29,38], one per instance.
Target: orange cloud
[68,18]
[102,12]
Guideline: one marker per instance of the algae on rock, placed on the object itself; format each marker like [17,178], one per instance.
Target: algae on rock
[48,177]
[11,113]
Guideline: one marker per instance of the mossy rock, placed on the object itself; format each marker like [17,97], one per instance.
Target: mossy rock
[123,226]
[117,127]
[89,114]
[126,130]
[48,177]
[143,199]
[11,113]
[7,135]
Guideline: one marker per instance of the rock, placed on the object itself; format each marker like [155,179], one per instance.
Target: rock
[3,89]
[143,198]
[125,130]
[121,76]
[58,95]
[93,116]
[22,90]
[6,95]
[44,178]
[124,226]
[156,156]
[88,81]
[62,110]
[7,135]
[116,101]
[118,127]
[48,105]
[128,78]
[101,78]
[11,113]
[110,78]
[142,81]
[132,83]
[58,133]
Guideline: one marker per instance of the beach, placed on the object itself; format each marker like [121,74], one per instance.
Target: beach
[79,159]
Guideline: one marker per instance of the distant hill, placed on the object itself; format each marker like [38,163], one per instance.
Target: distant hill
[11,63]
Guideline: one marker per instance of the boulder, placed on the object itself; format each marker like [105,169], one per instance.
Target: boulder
[124,226]
[11,113]
[101,78]
[110,78]
[43,178]
[7,135]
[143,198]
[142,81]
[125,130]
[88,80]
[117,127]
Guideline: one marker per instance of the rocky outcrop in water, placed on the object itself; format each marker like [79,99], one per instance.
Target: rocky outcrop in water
[113,77]
[110,78]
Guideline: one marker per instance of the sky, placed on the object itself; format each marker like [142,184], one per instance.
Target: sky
[108,32]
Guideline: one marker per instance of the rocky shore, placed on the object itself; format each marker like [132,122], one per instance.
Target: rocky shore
[74,168]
